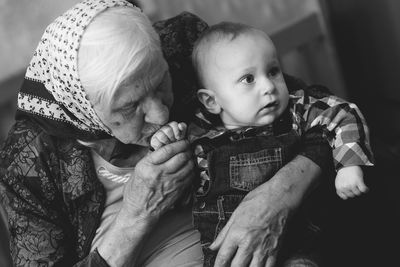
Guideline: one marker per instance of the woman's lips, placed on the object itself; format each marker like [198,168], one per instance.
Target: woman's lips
[149,130]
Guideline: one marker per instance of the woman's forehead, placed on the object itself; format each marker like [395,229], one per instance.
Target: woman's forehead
[135,88]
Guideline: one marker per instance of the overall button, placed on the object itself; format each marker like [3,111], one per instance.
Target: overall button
[249,132]
[202,205]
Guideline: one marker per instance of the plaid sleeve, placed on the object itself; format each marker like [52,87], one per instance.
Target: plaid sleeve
[344,128]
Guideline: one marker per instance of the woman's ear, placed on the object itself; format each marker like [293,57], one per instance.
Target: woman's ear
[207,98]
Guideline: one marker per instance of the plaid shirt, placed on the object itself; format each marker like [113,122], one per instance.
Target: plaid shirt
[343,126]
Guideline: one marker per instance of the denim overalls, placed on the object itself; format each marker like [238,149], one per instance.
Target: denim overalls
[231,165]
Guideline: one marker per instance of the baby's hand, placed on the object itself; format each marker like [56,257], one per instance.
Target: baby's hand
[169,133]
[349,182]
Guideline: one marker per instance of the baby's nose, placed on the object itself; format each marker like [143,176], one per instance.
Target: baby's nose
[267,86]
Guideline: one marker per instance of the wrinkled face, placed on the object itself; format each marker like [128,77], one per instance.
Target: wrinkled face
[139,107]
[246,78]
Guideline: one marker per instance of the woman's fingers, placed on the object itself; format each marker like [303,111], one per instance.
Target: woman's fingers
[271,261]
[225,254]
[242,258]
[259,259]
[185,174]
[166,152]
[178,162]
[221,236]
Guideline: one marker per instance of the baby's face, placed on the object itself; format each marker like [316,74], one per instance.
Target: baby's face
[246,78]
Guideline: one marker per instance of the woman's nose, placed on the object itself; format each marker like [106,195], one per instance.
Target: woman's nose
[155,111]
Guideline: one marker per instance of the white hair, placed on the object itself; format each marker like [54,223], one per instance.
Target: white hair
[118,43]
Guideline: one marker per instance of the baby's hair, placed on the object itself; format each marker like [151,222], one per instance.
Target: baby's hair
[117,43]
[222,31]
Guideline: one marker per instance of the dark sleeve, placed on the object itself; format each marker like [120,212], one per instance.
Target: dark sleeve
[178,35]
[314,146]
[39,222]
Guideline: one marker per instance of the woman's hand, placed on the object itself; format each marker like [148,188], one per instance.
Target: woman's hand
[159,180]
[254,232]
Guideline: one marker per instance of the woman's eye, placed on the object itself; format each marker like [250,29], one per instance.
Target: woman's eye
[274,71]
[129,110]
[247,79]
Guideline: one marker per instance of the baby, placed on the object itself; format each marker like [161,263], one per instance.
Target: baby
[244,85]
[250,126]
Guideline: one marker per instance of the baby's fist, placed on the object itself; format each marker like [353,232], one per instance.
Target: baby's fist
[169,133]
[349,182]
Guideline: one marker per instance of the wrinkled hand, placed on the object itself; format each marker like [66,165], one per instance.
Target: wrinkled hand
[349,182]
[253,234]
[158,181]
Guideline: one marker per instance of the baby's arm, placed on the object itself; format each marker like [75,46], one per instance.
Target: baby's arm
[349,182]
[169,133]
[347,132]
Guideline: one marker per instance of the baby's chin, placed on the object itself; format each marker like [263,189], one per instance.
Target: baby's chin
[260,122]
[265,120]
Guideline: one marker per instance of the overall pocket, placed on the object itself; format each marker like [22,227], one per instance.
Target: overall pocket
[249,170]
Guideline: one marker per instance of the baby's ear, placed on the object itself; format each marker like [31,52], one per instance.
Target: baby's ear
[207,98]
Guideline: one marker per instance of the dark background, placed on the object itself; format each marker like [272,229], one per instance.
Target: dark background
[366,35]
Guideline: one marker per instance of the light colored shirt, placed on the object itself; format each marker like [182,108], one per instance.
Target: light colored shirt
[172,242]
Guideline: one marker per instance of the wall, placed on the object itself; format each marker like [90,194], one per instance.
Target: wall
[22,23]
[315,63]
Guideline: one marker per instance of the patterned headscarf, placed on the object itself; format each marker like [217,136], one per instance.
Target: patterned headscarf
[52,94]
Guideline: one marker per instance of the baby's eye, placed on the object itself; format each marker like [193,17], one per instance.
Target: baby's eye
[274,71]
[249,78]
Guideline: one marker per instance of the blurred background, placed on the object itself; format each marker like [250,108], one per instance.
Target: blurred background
[350,46]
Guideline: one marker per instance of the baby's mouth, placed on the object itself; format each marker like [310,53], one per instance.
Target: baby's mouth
[270,105]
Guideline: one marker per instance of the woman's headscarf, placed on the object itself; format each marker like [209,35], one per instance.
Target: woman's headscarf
[52,94]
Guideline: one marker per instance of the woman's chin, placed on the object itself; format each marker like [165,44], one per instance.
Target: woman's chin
[141,142]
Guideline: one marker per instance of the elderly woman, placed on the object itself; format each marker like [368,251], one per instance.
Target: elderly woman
[77,179]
